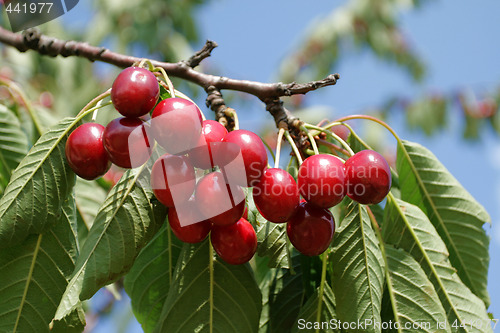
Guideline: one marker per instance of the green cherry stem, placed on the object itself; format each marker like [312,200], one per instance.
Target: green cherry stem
[144,61]
[333,146]
[294,147]
[332,135]
[170,86]
[289,166]
[82,114]
[311,139]
[278,147]
[269,149]
[322,287]
[371,118]
[95,101]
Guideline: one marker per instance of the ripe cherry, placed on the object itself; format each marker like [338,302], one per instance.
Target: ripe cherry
[173,180]
[187,224]
[311,229]
[236,244]
[221,203]
[85,152]
[368,177]
[135,92]
[276,195]
[252,151]
[212,133]
[321,180]
[128,142]
[176,124]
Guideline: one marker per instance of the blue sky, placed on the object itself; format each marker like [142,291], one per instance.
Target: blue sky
[456,39]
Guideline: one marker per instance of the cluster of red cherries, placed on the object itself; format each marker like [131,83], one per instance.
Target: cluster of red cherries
[213,202]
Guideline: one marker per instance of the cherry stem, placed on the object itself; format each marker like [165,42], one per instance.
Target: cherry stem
[230,112]
[294,147]
[97,106]
[12,86]
[353,133]
[83,114]
[278,147]
[145,61]
[321,287]
[269,149]
[371,118]
[94,102]
[333,146]
[311,138]
[171,89]
[332,135]
[372,218]
[289,166]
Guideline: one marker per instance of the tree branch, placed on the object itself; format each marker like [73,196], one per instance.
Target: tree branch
[198,57]
[32,39]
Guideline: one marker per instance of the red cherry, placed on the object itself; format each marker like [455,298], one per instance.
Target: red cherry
[321,180]
[85,152]
[276,195]
[212,132]
[176,124]
[193,229]
[368,177]
[252,151]
[135,92]
[311,229]
[236,244]
[128,142]
[218,201]
[172,179]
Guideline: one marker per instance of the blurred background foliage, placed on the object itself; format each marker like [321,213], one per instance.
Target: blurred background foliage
[167,30]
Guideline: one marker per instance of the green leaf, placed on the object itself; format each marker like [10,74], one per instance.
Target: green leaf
[125,223]
[413,298]
[358,269]
[38,187]
[307,319]
[271,237]
[407,227]
[208,295]
[456,215]
[89,197]
[35,273]
[148,282]
[13,143]
[72,323]
[282,295]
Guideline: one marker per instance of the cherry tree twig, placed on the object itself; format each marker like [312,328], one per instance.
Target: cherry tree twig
[269,93]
